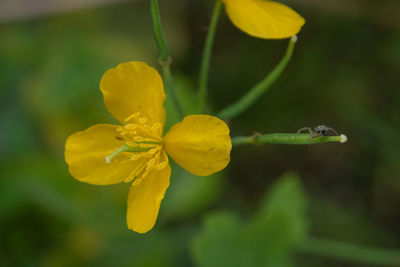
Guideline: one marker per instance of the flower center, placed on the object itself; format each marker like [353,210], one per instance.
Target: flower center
[144,142]
[140,129]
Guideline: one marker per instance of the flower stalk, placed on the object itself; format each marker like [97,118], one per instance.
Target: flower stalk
[285,139]
[205,62]
[170,85]
[248,99]
[165,59]
[157,30]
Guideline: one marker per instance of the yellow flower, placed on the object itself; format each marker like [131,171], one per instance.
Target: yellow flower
[263,18]
[108,154]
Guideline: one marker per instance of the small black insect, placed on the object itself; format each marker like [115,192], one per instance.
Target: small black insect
[320,130]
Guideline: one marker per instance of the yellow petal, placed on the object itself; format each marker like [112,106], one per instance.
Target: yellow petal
[85,154]
[200,144]
[134,87]
[264,19]
[145,198]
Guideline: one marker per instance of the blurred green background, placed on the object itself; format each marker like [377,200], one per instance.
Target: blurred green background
[344,73]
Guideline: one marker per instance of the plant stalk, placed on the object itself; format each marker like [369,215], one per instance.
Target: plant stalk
[248,99]
[165,59]
[285,139]
[205,62]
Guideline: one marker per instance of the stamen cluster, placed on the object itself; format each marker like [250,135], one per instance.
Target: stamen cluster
[144,143]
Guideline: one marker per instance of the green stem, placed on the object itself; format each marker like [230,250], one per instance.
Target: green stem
[248,99]
[285,139]
[157,30]
[348,252]
[165,59]
[205,62]
[169,81]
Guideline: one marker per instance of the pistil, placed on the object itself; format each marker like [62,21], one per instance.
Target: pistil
[126,148]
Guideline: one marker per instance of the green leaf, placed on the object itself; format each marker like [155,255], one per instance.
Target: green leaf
[266,240]
[220,243]
[287,203]
[280,224]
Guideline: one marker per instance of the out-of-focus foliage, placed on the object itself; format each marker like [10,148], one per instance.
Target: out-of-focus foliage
[344,73]
[266,240]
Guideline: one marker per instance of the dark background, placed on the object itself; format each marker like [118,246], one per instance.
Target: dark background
[344,73]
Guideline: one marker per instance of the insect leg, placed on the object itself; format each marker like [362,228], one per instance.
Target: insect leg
[333,131]
[303,129]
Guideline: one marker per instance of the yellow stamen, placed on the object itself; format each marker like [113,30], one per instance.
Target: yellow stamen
[133,116]
[138,139]
[154,150]
[161,165]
